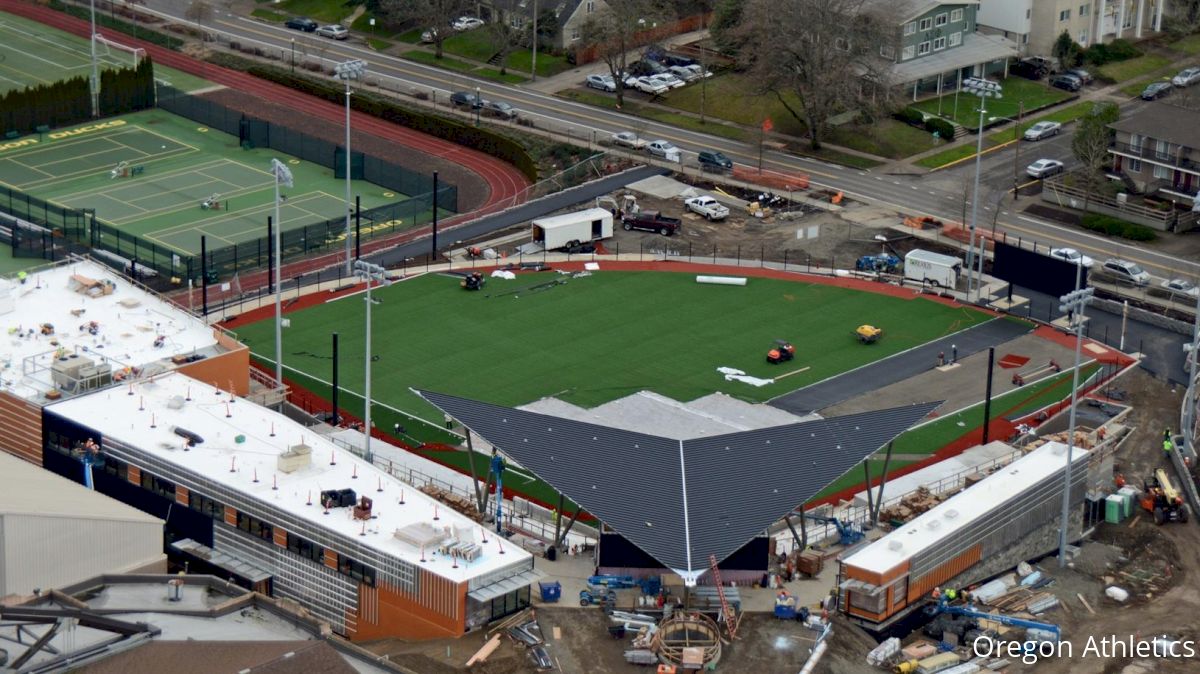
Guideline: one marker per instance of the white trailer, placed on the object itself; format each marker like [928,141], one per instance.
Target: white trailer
[569,229]
[925,266]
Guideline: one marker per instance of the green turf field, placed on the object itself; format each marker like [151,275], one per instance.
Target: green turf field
[598,338]
[183,164]
[32,53]
[11,265]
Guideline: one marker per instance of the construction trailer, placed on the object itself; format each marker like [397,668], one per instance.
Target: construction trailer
[933,268]
[1009,516]
[560,231]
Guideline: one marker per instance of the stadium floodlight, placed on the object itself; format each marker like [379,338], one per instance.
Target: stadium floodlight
[368,272]
[1073,303]
[95,83]
[282,175]
[346,71]
[984,89]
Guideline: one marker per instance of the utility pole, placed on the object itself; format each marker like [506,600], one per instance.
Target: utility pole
[533,67]
[1017,151]
[349,70]
[1073,304]
[369,272]
[984,89]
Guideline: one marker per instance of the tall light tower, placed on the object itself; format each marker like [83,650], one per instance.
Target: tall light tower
[984,89]
[346,71]
[369,272]
[1073,303]
[95,83]
[283,175]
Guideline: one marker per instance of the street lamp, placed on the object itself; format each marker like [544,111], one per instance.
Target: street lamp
[293,54]
[1016,145]
[282,175]
[369,272]
[1073,303]
[983,89]
[95,83]
[478,106]
[349,70]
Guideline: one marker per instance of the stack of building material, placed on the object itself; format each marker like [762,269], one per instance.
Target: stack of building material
[810,563]
[883,653]
[462,504]
[1081,440]
[912,505]
[641,657]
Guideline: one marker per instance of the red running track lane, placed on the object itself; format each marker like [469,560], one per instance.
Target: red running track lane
[506,185]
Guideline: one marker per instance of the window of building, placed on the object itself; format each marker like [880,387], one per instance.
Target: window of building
[1135,142]
[955,39]
[1162,149]
[574,34]
[887,52]
[1027,13]
[591,6]
[941,19]
[305,548]
[926,23]
[116,468]
[206,505]
[356,570]
[910,27]
[1084,10]
[156,484]
[956,15]
[923,48]
[1163,172]
[254,526]
[515,21]
[1134,165]
[939,43]
[907,53]
[1083,38]
[1064,15]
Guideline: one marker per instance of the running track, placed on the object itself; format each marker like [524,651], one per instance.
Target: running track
[506,185]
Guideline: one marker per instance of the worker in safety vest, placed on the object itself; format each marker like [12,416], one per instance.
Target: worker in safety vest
[1167,447]
[951,594]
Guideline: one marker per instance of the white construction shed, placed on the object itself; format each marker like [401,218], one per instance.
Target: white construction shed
[559,231]
[55,532]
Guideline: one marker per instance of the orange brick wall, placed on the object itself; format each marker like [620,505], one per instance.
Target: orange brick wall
[280,536]
[20,428]
[230,368]
[230,516]
[182,495]
[134,475]
[436,611]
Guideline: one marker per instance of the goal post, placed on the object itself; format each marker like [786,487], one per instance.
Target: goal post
[113,52]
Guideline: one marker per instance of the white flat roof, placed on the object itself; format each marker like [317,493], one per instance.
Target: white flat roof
[128,322]
[572,218]
[962,509]
[33,490]
[115,414]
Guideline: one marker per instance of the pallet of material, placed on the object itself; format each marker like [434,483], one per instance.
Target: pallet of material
[459,503]
[641,657]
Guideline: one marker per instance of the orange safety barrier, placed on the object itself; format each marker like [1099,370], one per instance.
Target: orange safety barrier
[772,179]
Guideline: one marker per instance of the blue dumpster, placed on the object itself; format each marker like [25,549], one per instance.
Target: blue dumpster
[550,591]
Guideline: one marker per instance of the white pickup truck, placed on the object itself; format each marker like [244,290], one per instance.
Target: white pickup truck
[708,207]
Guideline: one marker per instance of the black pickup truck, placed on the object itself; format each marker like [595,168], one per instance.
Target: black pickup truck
[651,221]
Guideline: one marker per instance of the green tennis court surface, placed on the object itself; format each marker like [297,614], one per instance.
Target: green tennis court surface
[171,168]
[32,53]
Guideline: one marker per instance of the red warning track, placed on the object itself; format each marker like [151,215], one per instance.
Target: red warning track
[506,185]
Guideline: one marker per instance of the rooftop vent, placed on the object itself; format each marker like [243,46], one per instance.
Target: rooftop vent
[933,524]
[895,545]
[951,514]
[175,403]
[295,458]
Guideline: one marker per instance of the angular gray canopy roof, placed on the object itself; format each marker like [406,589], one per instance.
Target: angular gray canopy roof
[681,501]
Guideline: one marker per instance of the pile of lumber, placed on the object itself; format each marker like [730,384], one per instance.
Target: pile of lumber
[1081,440]
[912,505]
[462,504]
[1020,599]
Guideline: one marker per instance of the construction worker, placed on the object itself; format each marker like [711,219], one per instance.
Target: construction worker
[1166,434]
[1167,447]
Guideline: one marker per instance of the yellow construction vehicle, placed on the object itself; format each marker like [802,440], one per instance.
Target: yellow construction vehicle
[1161,497]
[868,334]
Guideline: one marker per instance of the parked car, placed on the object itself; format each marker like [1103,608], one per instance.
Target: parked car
[664,149]
[651,221]
[1066,82]
[1044,62]
[1044,168]
[467,99]
[1182,287]
[710,208]
[668,79]
[499,109]
[646,67]
[650,86]
[1126,271]
[675,60]
[1156,90]
[334,31]
[466,23]
[601,82]
[711,160]
[1083,75]
[1072,255]
[430,35]
[1186,77]
[684,73]
[301,23]
[628,139]
[1043,130]
[1028,69]
[696,69]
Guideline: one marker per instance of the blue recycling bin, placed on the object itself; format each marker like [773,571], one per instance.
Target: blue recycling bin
[551,592]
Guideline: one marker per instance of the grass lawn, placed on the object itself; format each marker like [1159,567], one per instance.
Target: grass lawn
[947,156]
[322,11]
[885,137]
[1068,114]
[410,36]
[378,44]
[732,97]
[636,108]
[1188,45]
[1134,67]
[1016,90]
[477,45]
[269,15]
[447,62]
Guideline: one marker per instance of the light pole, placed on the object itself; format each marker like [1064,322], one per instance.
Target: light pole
[1073,303]
[478,105]
[282,175]
[533,67]
[984,89]
[369,272]
[349,70]
[293,54]
[95,83]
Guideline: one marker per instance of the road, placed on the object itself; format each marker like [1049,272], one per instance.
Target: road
[909,194]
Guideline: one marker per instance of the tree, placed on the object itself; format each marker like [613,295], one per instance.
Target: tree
[727,15]
[199,12]
[502,33]
[1091,142]
[434,15]
[1067,51]
[825,53]
[612,30]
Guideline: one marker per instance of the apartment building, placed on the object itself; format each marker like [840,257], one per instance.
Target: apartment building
[1035,24]
[1157,150]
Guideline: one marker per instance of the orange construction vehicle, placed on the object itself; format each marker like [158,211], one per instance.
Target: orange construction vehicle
[782,351]
[1160,497]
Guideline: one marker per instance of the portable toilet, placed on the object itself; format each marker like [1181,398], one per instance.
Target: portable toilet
[1114,508]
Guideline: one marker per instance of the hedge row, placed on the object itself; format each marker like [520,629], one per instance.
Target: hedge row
[1118,50]
[1117,227]
[484,140]
[914,117]
[68,102]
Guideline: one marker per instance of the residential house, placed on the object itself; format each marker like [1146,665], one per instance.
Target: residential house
[570,15]
[937,46]
[1157,151]
[1035,24]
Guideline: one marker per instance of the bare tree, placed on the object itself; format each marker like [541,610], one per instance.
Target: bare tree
[502,32]
[199,12]
[1091,142]
[433,15]
[612,30]
[825,52]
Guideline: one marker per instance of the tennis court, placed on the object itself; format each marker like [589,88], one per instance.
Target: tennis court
[161,177]
[32,53]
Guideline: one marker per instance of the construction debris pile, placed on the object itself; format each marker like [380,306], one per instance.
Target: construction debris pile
[462,504]
[912,505]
